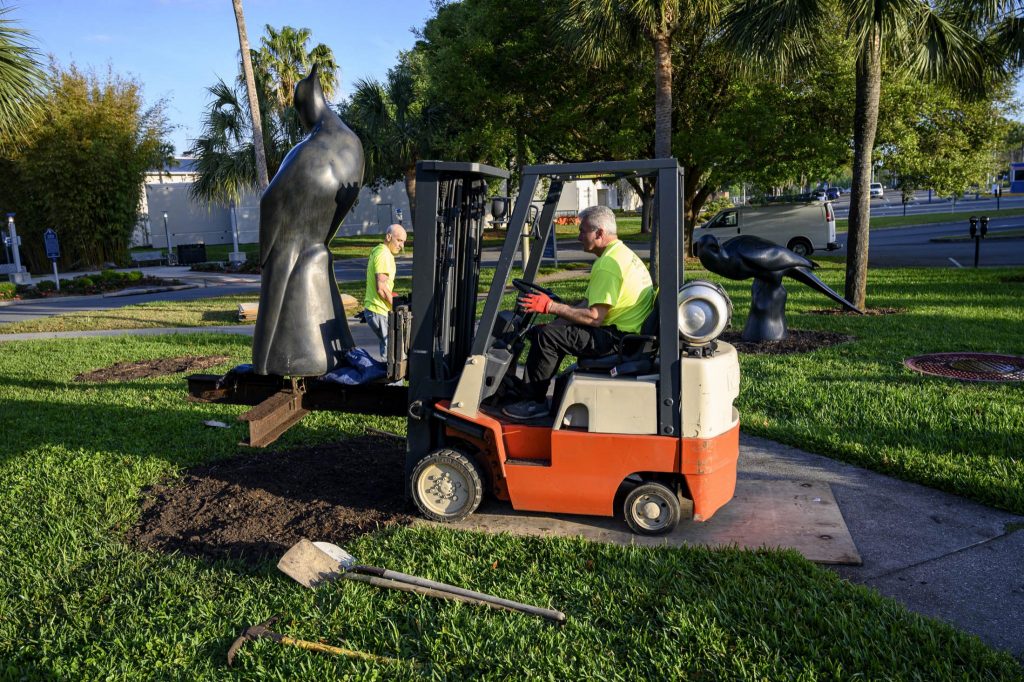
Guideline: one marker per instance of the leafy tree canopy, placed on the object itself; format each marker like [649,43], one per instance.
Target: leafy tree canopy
[81,168]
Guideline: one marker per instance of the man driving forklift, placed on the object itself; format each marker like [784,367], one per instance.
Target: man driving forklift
[620,295]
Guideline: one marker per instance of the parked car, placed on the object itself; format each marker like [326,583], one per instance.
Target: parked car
[834,192]
[800,227]
[877,190]
[819,195]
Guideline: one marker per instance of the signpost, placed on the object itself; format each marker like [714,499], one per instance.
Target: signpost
[978,234]
[52,245]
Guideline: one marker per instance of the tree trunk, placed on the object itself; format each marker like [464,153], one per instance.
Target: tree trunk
[865,124]
[662,123]
[662,97]
[410,190]
[254,106]
[695,195]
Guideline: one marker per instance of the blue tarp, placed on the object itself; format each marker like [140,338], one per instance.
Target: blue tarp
[359,368]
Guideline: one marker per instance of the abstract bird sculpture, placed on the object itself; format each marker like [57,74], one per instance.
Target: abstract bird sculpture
[767,263]
[301,328]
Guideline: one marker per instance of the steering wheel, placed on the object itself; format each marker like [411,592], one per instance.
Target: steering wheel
[527,287]
[522,321]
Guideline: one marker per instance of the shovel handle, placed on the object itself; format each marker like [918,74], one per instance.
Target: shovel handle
[491,600]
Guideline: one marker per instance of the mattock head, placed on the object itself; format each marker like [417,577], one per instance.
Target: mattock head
[253,632]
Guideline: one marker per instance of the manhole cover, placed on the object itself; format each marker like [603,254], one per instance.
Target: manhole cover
[969,366]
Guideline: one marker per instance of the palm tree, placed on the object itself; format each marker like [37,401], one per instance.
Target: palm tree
[600,29]
[226,148]
[932,41]
[21,79]
[284,60]
[395,124]
[262,176]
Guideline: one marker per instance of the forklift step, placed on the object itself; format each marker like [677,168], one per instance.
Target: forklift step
[527,462]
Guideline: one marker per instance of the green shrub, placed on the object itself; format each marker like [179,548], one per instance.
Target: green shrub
[45,286]
[712,207]
[6,290]
[133,276]
[107,277]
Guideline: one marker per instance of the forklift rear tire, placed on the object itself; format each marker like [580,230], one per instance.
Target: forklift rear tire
[652,509]
[447,485]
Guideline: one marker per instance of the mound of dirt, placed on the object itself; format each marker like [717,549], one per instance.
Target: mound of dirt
[144,369]
[257,505]
[796,341]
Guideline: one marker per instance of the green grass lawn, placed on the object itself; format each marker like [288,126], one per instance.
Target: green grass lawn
[843,224]
[77,603]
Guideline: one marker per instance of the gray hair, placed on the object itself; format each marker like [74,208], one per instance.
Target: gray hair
[390,230]
[599,217]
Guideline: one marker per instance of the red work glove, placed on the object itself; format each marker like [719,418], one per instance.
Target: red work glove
[535,303]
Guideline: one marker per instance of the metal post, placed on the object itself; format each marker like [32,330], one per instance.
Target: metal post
[20,275]
[236,257]
[234,227]
[56,277]
[167,237]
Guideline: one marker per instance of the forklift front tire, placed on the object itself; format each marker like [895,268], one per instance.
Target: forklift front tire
[652,509]
[447,485]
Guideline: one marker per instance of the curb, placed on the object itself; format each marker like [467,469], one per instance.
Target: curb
[152,290]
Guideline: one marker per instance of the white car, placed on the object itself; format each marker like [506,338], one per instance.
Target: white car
[877,190]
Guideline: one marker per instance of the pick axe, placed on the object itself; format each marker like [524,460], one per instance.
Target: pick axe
[263,631]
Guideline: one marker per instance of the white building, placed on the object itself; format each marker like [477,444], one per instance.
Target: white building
[192,222]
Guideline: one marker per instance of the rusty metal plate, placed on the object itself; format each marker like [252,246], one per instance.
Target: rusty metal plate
[990,367]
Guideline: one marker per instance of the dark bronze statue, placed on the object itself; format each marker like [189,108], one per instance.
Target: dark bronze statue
[767,263]
[301,328]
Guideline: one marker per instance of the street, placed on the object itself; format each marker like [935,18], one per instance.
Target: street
[912,246]
[892,204]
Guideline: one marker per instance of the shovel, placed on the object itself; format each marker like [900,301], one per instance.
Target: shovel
[312,563]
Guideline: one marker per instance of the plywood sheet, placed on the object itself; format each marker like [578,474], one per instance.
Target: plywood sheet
[790,514]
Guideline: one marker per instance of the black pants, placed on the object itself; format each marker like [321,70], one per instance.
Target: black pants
[550,343]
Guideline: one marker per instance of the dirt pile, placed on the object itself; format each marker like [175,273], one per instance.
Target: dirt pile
[256,505]
[145,369]
[796,341]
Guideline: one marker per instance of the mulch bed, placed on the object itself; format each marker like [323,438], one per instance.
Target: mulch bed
[255,506]
[144,369]
[796,341]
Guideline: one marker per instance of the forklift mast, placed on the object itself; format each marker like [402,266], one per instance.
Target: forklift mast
[448,225]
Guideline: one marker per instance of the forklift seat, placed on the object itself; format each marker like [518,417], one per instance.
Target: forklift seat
[639,354]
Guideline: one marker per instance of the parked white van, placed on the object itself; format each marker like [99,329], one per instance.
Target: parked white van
[801,227]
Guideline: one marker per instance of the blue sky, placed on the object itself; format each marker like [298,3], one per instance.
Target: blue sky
[177,48]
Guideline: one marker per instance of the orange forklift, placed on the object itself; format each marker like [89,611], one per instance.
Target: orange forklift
[650,431]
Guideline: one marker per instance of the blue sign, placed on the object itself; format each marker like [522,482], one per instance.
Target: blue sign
[549,245]
[52,244]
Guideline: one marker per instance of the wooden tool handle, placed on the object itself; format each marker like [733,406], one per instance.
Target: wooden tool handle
[336,650]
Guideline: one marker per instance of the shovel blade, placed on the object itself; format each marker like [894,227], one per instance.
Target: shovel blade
[312,563]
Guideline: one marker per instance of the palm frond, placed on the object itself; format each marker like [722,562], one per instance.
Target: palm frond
[22,79]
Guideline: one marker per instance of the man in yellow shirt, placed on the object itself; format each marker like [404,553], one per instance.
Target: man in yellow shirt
[380,283]
[620,295]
